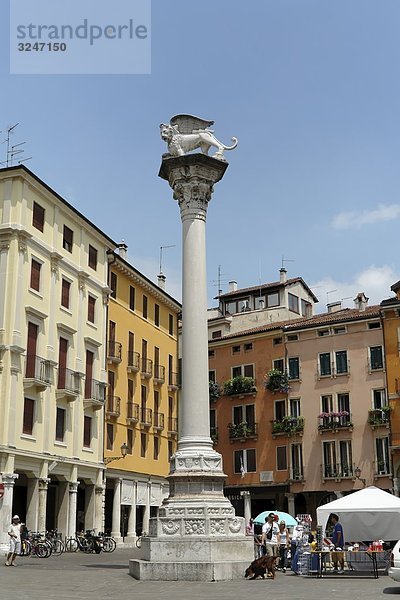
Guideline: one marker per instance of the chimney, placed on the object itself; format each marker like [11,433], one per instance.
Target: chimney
[282,275]
[123,250]
[232,286]
[361,301]
[161,281]
[334,306]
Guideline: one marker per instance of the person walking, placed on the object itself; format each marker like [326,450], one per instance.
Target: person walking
[283,545]
[338,543]
[270,531]
[14,531]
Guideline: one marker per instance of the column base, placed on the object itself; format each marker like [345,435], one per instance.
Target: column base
[193,559]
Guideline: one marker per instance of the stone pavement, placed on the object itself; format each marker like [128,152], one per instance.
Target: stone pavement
[105,576]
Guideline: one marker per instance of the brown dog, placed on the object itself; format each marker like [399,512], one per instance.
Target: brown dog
[260,566]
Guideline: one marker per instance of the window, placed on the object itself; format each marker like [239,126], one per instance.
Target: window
[293,337]
[272,299]
[280,409]
[277,341]
[294,405]
[327,404]
[339,330]
[325,367]
[170,449]
[60,424]
[236,372]
[297,461]
[171,324]
[110,436]
[216,334]
[211,354]
[132,293]
[87,431]
[129,440]
[323,332]
[259,302]
[279,364]
[293,303]
[91,309]
[376,358]
[346,458]
[65,293]
[379,399]
[113,284]
[341,362]
[243,371]
[375,325]
[245,461]
[38,216]
[294,367]
[68,237]
[235,349]
[329,457]
[143,445]
[382,456]
[248,347]
[237,306]
[144,307]
[156,315]
[156,447]
[131,390]
[306,309]
[27,423]
[35,275]
[92,257]
[343,402]
[244,414]
[281,458]
[212,376]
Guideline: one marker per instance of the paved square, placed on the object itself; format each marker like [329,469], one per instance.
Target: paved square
[100,577]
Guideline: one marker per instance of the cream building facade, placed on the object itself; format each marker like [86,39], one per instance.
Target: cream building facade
[53,313]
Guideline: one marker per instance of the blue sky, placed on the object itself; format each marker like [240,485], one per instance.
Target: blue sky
[311,89]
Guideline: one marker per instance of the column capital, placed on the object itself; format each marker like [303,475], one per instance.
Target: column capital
[245,493]
[43,483]
[9,479]
[73,487]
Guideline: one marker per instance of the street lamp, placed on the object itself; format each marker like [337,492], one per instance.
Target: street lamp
[124,452]
[357,473]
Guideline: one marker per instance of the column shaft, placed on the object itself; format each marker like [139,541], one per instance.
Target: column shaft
[116,511]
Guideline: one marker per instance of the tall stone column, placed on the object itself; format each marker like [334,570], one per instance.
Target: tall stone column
[131,535]
[73,494]
[196,535]
[247,504]
[8,480]
[43,486]
[99,491]
[116,511]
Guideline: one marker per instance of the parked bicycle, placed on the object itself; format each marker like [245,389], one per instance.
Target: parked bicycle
[139,539]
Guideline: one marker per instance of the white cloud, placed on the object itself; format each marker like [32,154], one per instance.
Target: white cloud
[374,281]
[354,219]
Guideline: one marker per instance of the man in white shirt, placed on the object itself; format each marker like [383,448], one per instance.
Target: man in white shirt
[270,531]
[14,531]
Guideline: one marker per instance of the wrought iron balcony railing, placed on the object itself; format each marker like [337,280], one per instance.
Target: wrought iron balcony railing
[114,351]
[158,420]
[133,361]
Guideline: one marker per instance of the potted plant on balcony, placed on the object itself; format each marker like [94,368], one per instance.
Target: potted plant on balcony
[276,381]
[239,430]
[214,391]
[239,385]
[293,425]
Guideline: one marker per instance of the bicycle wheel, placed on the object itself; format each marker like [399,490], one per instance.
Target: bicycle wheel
[42,550]
[109,545]
[87,546]
[57,547]
[71,545]
[139,542]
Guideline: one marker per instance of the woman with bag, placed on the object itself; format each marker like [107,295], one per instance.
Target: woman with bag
[284,544]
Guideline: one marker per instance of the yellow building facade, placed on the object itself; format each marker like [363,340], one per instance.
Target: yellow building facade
[142,397]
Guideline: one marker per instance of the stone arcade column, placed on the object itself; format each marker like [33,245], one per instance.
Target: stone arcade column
[43,486]
[73,493]
[196,535]
[116,511]
[8,479]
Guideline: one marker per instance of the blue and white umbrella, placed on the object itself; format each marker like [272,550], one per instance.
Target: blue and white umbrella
[282,516]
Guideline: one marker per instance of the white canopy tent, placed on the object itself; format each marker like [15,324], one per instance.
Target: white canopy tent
[369,514]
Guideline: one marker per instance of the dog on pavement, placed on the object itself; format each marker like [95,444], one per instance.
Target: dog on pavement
[260,566]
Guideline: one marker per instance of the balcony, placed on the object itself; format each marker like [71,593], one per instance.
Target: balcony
[337,471]
[146,368]
[288,426]
[242,431]
[114,352]
[296,474]
[38,373]
[146,417]
[94,393]
[68,384]
[159,374]
[240,386]
[132,412]
[381,468]
[172,425]
[133,362]
[158,421]
[334,421]
[214,434]
[173,382]
[113,407]
[379,417]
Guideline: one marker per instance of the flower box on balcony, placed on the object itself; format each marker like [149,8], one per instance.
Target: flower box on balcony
[379,417]
[288,426]
[239,386]
[276,381]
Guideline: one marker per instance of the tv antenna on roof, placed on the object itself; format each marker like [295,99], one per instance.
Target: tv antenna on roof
[285,260]
[327,295]
[161,253]
[13,151]
[219,281]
